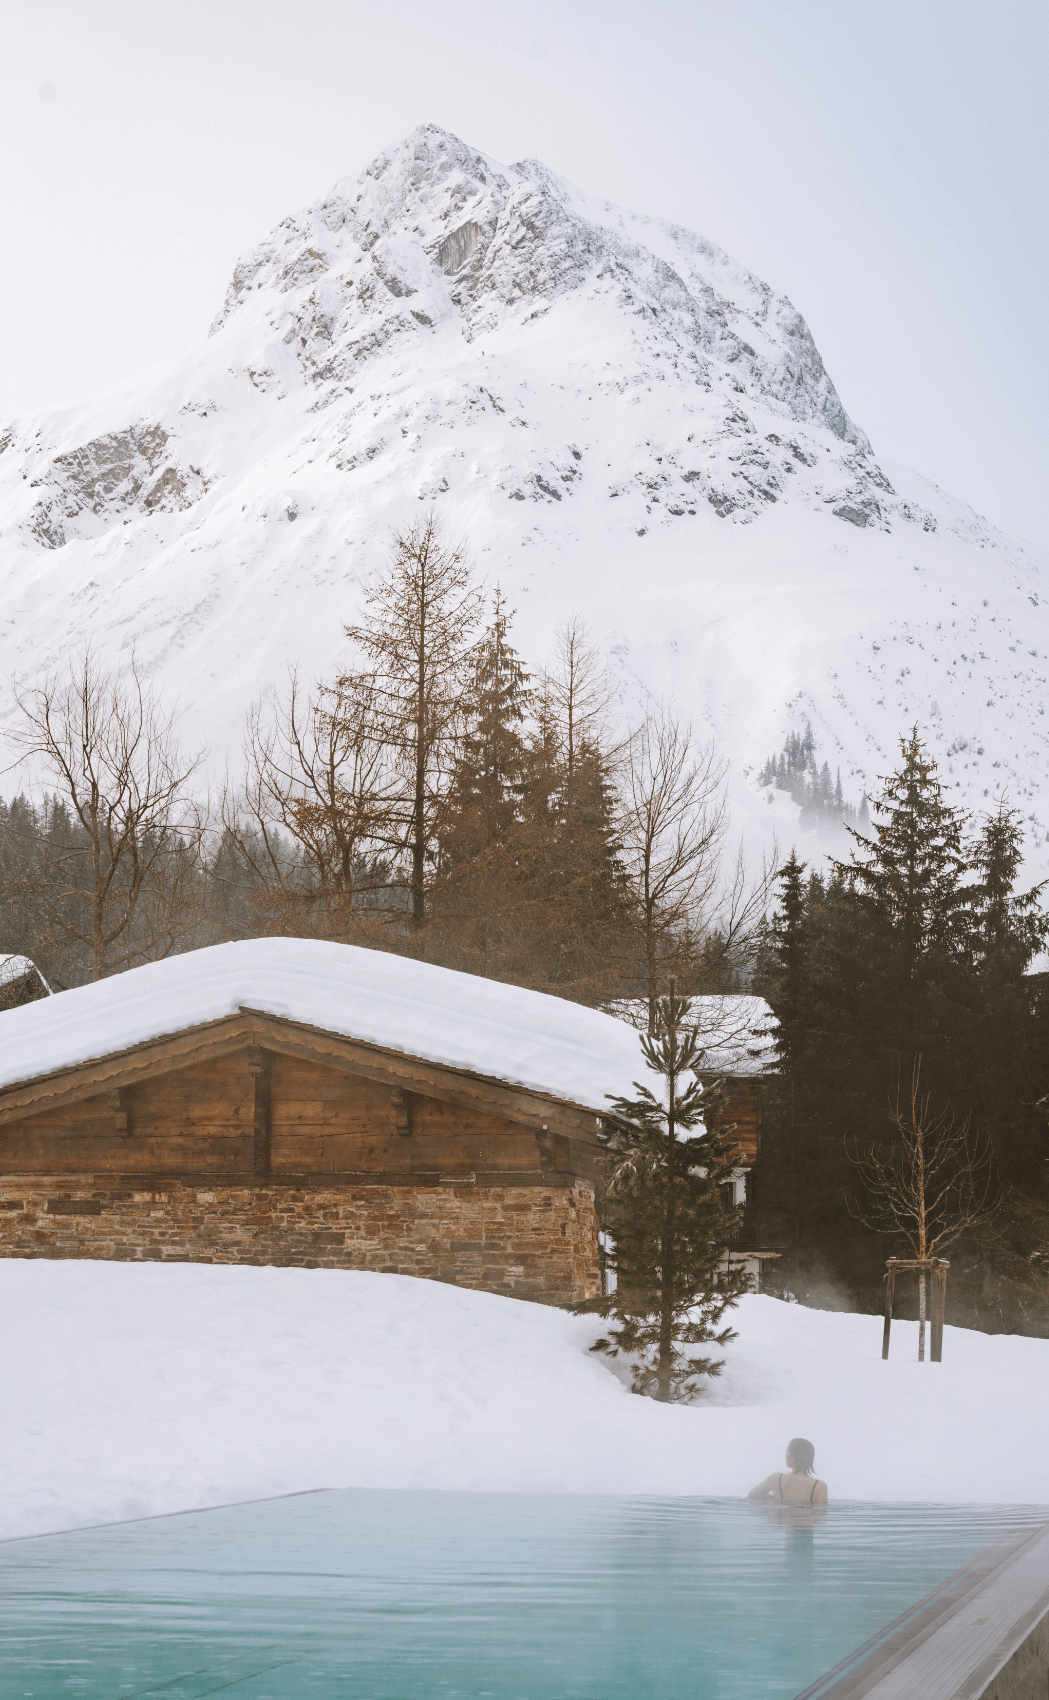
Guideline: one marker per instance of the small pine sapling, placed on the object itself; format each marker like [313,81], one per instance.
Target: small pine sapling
[669,1159]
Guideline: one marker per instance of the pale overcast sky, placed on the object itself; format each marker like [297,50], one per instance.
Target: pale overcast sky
[884,164]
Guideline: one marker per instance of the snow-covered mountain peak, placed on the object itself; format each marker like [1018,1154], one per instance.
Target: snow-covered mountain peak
[433,234]
[617,417]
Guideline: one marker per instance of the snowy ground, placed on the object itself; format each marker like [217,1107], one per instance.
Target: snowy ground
[137,1389]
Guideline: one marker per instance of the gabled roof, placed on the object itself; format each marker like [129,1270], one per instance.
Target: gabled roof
[456,1021]
[382,1016]
[21,982]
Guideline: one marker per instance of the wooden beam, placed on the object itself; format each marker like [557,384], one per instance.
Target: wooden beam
[402,1110]
[939,1300]
[119,1101]
[208,1180]
[259,1067]
[890,1282]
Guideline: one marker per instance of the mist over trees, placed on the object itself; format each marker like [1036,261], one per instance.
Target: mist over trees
[439,798]
[819,796]
[911,955]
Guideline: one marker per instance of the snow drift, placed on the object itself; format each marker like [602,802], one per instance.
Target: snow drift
[138,1389]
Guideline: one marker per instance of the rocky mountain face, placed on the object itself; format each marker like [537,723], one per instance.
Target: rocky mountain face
[620,420]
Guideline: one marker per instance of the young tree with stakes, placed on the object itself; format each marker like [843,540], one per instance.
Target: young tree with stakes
[934,1184]
[668,1163]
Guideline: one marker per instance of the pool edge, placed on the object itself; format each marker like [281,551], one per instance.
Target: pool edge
[941,1650]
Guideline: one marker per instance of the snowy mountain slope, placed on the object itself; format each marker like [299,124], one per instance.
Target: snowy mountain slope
[618,418]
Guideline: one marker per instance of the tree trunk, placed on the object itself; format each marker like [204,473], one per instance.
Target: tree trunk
[98,949]
[668,1272]
[666,1318]
[419,825]
[921,1316]
[650,966]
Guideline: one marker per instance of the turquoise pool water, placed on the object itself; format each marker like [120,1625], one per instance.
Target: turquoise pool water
[376,1595]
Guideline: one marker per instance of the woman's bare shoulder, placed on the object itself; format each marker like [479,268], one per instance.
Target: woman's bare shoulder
[819,1496]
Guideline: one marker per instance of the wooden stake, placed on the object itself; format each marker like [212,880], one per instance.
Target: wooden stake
[890,1282]
[939,1300]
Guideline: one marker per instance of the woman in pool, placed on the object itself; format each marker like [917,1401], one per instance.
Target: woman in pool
[800,1486]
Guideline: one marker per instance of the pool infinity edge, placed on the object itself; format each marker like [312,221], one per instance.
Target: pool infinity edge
[982,1635]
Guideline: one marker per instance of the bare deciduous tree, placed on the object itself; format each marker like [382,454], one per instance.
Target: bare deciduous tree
[935,1183]
[110,750]
[576,695]
[316,772]
[423,612]
[675,819]
[697,914]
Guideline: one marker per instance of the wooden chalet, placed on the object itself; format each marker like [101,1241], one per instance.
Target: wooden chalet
[294,1102]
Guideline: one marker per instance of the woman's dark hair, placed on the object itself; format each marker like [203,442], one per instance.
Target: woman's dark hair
[802,1455]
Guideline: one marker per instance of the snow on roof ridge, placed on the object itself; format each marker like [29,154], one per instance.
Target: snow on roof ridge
[459,1020]
[462,1021]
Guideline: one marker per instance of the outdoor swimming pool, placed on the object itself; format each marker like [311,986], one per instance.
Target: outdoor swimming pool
[377,1595]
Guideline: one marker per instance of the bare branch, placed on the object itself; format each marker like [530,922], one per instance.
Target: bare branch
[111,752]
[936,1181]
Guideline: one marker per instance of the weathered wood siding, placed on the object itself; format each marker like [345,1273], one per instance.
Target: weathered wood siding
[325,1122]
[201,1121]
[198,1120]
[259,1157]
[742,1105]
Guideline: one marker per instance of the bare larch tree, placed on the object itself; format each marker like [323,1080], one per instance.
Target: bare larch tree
[674,824]
[422,613]
[577,694]
[698,909]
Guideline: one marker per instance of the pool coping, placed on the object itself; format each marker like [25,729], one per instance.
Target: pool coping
[958,1641]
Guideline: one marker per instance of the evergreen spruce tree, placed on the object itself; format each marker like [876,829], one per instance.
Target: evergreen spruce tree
[671,1230]
[918,947]
[1009,928]
[787,965]
[914,874]
[487,782]
[530,886]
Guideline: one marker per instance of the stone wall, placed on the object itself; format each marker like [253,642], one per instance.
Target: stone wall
[528,1242]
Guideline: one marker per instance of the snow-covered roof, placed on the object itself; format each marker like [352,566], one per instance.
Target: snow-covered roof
[735,1031]
[525,1038]
[14,968]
